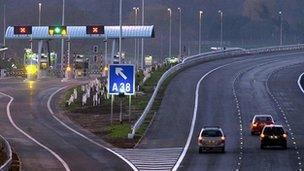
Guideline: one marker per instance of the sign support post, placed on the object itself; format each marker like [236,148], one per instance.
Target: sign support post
[121,82]
[130,98]
[112,100]
[120,113]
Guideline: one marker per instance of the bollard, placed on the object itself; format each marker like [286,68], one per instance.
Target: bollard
[84,99]
[75,93]
[2,73]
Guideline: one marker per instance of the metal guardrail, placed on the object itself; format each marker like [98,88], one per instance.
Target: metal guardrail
[5,146]
[197,59]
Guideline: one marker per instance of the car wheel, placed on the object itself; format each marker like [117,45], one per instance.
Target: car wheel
[252,133]
[284,146]
[262,146]
[223,150]
[200,150]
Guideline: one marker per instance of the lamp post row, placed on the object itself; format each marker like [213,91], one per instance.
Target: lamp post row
[136,9]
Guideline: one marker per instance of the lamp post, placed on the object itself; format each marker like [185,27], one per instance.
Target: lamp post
[39,15]
[136,9]
[170,34]
[180,32]
[120,30]
[200,32]
[4,25]
[221,15]
[62,40]
[281,27]
[142,40]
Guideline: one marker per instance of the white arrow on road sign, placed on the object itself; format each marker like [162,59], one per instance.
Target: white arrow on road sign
[118,72]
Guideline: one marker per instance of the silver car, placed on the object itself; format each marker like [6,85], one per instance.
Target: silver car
[211,138]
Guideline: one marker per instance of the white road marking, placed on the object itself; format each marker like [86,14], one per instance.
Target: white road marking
[83,136]
[185,149]
[299,82]
[182,156]
[152,159]
[65,165]
[284,113]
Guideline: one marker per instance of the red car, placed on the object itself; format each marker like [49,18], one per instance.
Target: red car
[258,123]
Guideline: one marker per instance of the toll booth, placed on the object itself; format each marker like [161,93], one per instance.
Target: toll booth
[44,34]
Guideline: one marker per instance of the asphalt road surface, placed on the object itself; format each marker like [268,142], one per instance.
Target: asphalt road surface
[229,97]
[230,92]
[48,145]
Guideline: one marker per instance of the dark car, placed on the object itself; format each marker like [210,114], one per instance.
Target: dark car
[273,135]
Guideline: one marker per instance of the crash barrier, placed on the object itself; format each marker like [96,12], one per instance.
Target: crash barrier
[6,148]
[204,57]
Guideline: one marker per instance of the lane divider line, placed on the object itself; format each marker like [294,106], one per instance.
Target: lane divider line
[80,134]
[238,106]
[283,113]
[183,154]
[65,165]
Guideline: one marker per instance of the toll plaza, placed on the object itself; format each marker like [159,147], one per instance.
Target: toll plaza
[43,34]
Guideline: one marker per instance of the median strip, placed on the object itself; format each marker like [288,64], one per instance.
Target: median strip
[97,119]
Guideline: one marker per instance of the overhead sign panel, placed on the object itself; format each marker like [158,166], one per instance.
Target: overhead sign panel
[22,30]
[121,79]
[95,29]
[58,30]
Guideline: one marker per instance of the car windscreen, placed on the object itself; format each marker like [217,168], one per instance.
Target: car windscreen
[273,131]
[211,133]
[263,119]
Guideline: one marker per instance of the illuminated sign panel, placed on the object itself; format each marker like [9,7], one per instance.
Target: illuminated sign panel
[58,30]
[95,29]
[19,30]
[121,79]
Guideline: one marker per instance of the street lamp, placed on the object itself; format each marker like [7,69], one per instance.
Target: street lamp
[180,32]
[200,32]
[170,34]
[62,40]
[281,27]
[142,40]
[136,9]
[39,15]
[120,30]
[4,24]
[221,15]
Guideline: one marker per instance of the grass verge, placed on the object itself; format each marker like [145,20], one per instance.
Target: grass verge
[96,119]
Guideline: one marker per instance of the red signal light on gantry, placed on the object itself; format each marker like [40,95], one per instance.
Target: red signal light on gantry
[22,30]
[95,29]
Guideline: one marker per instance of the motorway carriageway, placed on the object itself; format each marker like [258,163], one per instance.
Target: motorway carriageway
[224,92]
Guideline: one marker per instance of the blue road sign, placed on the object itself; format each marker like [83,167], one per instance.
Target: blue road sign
[121,79]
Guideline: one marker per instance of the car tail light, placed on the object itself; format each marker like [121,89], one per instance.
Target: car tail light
[262,135]
[254,124]
[285,135]
[222,139]
[200,140]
